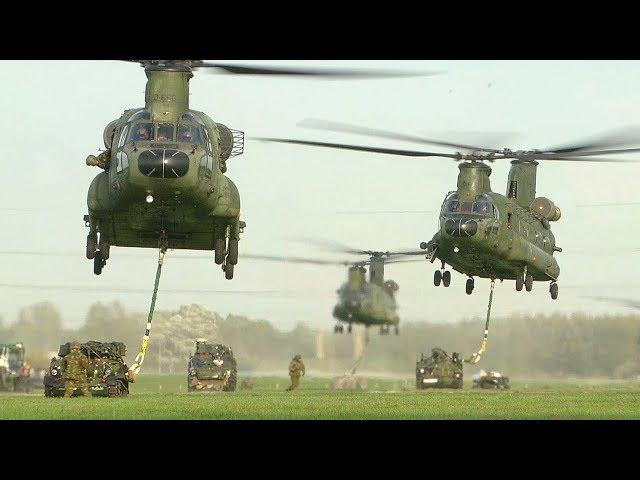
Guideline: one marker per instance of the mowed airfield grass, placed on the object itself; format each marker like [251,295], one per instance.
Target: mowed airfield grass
[165,397]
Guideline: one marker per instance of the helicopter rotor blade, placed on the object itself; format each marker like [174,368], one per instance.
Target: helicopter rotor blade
[625,302]
[340,127]
[564,158]
[311,72]
[625,136]
[311,261]
[342,146]
[145,291]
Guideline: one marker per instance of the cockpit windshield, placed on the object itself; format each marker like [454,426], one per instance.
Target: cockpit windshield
[189,134]
[482,206]
[142,132]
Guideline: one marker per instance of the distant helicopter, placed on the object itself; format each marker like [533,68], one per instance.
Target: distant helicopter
[360,301]
[163,184]
[483,233]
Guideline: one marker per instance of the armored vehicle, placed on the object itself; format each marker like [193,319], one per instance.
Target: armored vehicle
[438,370]
[110,374]
[15,375]
[212,367]
[492,379]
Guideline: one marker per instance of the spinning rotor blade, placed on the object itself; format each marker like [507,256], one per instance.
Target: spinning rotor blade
[374,132]
[626,136]
[145,291]
[566,158]
[310,72]
[311,261]
[625,302]
[342,146]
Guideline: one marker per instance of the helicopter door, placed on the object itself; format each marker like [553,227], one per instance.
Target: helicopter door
[122,160]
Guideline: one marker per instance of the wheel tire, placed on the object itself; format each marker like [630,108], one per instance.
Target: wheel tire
[220,248]
[553,289]
[232,256]
[104,248]
[349,328]
[228,271]
[469,286]
[48,391]
[528,282]
[92,243]
[446,278]
[437,278]
[519,283]
[98,263]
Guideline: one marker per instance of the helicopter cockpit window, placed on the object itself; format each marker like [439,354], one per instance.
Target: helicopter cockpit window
[165,132]
[139,116]
[142,132]
[481,207]
[189,134]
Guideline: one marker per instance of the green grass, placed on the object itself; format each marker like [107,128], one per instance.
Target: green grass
[164,397]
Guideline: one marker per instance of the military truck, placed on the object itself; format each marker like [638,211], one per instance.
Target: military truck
[109,376]
[438,370]
[212,367]
[14,377]
[492,380]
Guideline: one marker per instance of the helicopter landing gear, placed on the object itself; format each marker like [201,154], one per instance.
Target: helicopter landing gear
[104,246]
[469,286]
[232,255]
[519,283]
[92,244]
[528,282]
[338,328]
[446,278]
[228,270]
[98,263]
[220,246]
[349,328]
[443,276]
[397,330]
[437,278]
[553,290]
[385,329]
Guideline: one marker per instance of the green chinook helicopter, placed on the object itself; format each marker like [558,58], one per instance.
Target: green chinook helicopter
[163,183]
[360,301]
[482,233]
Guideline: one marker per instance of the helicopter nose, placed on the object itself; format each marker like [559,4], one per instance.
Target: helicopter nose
[461,228]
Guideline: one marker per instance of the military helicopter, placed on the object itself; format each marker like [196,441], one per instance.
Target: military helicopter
[163,183]
[482,233]
[360,301]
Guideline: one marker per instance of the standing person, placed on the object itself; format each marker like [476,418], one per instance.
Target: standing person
[296,370]
[77,366]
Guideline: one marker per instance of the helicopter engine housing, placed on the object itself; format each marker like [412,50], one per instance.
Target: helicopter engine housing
[544,208]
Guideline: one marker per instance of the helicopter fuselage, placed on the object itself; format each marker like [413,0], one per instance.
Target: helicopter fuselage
[367,304]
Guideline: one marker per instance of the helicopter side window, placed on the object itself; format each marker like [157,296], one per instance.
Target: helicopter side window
[165,132]
[206,166]
[452,206]
[122,161]
[189,134]
[482,208]
[123,136]
[142,132]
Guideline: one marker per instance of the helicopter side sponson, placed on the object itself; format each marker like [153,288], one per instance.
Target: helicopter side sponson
[494,238]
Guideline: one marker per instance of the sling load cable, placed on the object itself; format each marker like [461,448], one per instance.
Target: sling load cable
[475,357]
[137,363]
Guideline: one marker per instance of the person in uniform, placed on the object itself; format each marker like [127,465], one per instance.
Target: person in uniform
[76,367]
[296,370]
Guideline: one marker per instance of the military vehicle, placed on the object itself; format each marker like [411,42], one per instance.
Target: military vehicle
[482,233]
[349,381]
[163,183]
[212,367]
[360,301]
[491,380]
[13,377]
[438,370]
[110,374]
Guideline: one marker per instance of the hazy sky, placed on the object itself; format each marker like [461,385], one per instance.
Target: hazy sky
[54,113]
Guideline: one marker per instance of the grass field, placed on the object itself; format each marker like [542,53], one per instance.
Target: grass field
[164,397]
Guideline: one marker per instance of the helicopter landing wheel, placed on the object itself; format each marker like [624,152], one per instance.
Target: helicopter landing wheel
[92,243]
[98,263]
[519,283]
[104,246]
[469,286]
[228,271]
[528,282]
[446,278]
[397,330]
[349,328]
[553,290]
[437,278]
[220,247]
[232,256]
